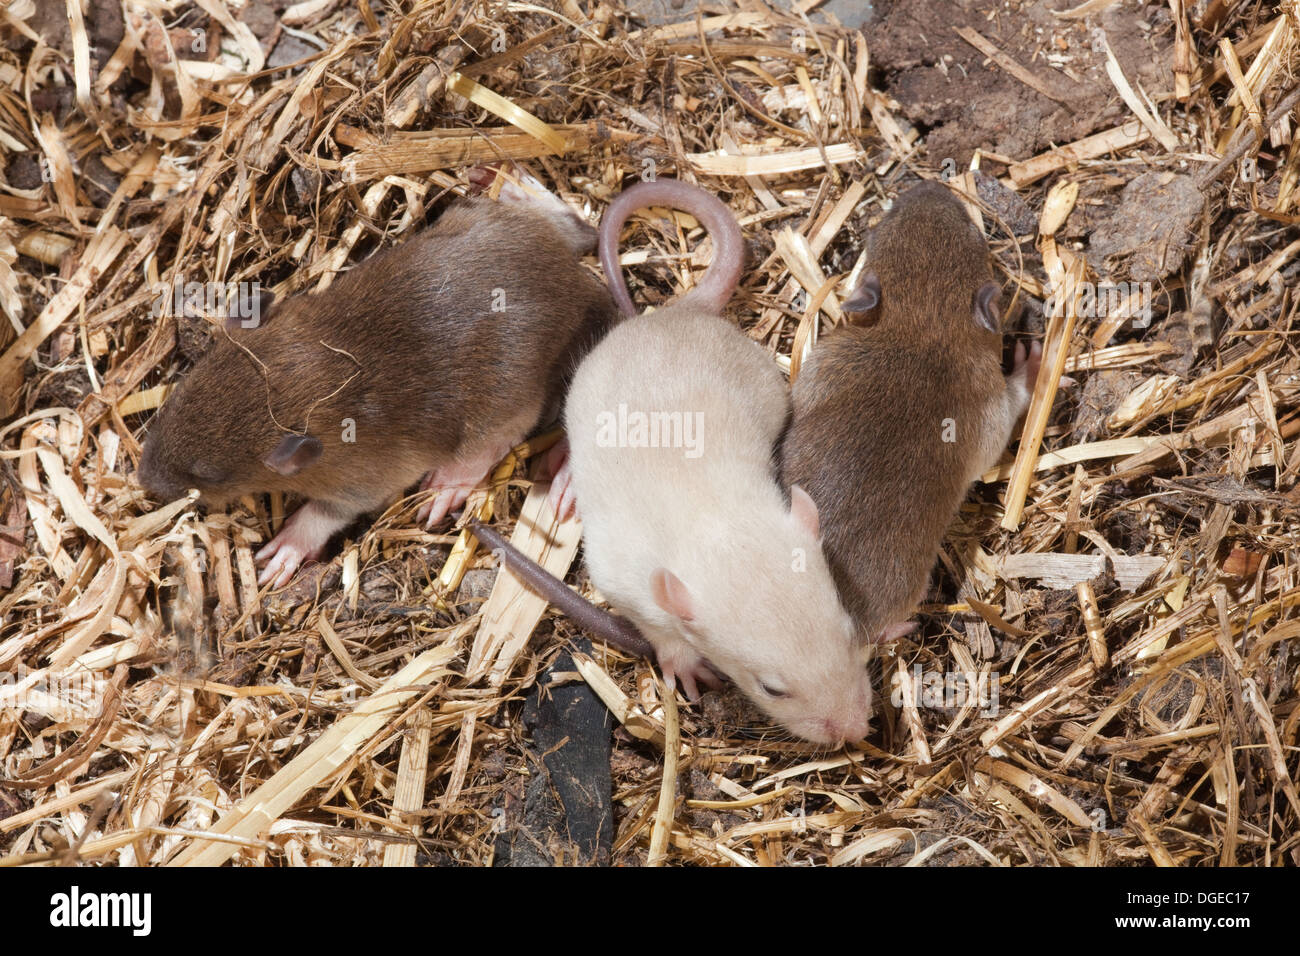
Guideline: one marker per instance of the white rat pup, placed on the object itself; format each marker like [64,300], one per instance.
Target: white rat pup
[672,423]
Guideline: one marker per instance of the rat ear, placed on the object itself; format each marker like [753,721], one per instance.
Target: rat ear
[671,594]
[293,454]
[862,304]
[986,308]
[248,310]
[804,510]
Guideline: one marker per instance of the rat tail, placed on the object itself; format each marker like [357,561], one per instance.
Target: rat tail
[719,282]
[619,632]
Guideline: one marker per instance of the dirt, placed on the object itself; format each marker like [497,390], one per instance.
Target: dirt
[1189,333]
[289,50]
[476,585]
[99,181]
[567,812]
[1006,205]
[1103,391]
[659,12]
[104,26]
[961,103]
[1149,232]
[24,171]
[261,19]
[50,23]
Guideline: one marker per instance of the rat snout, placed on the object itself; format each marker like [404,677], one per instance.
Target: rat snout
[149,474]
[852,723]
[838,731]
[156,477]
[831,732]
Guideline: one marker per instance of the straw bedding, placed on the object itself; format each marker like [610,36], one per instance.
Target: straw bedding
[1126,581]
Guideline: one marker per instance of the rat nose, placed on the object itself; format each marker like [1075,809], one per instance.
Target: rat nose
[148,474]
[848,731]
[833,731]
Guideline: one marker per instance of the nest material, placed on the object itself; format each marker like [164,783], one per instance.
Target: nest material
[1127,584]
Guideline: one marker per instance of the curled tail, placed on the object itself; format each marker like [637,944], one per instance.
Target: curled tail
[615,630]
[719,282]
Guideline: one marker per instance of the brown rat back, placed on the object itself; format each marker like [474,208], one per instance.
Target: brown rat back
[407,360]
[894,418]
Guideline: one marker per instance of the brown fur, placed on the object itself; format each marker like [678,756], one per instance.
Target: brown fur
[869,409]
[407,346]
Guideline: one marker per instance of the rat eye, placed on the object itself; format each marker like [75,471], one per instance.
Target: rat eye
[774,692]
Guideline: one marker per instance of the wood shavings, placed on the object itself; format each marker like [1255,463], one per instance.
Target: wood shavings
[494,103]
[1127,592]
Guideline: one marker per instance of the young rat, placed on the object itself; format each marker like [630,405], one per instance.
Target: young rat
[672,423]
[430,358]
[894,418]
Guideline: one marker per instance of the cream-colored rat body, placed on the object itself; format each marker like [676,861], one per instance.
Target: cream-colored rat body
[672,422]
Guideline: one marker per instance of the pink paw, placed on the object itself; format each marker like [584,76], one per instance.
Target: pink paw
[451,485]
[684,664]
[446,498]
[518,186]
[555,466]
[286,556]
[893,632]
[302,538]
[554,459]
[522,189]
[483,176]
[1028,364]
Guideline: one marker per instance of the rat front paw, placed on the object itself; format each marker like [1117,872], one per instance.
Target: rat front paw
[893,632]
[1027,365]
[285,557]
[684,664]
[303,538]
[284,554]
[451,485]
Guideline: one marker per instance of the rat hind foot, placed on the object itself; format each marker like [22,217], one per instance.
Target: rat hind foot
[525,190]
[555,467]
[450,485]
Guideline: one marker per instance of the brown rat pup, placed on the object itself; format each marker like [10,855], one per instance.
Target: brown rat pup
[430,358]
[895,417]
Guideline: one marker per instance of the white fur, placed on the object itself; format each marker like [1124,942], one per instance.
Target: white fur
[302,538]
[1002,413]
[717,521]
